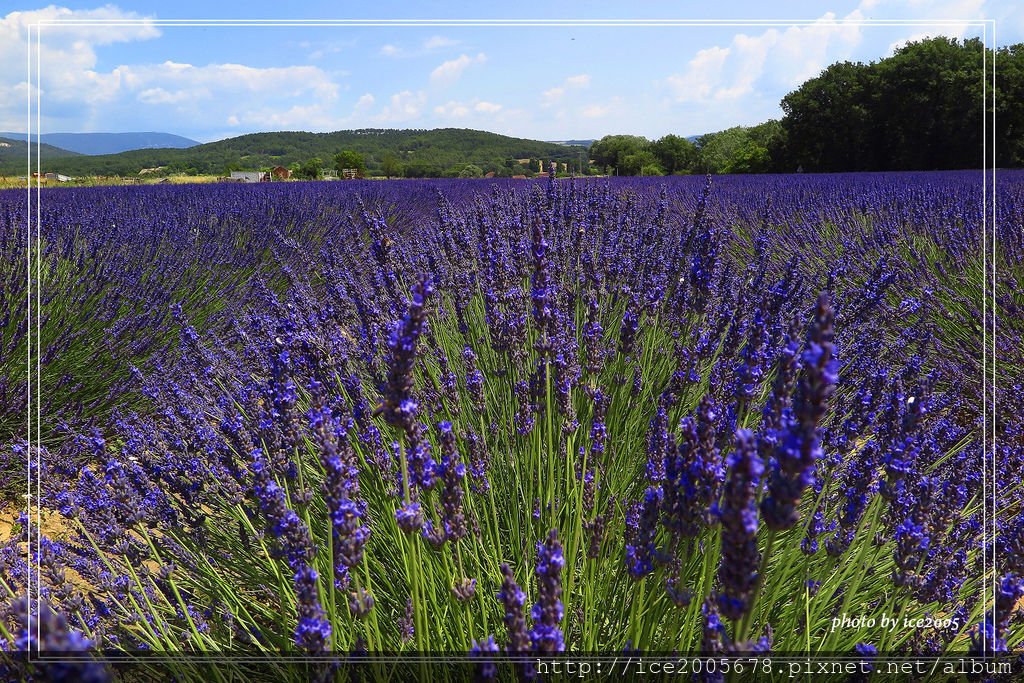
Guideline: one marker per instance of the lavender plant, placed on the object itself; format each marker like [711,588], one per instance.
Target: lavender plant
[516,419]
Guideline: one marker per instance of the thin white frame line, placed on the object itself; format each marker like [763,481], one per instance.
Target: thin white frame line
[995,357]
[982,23]
[513,22]
[984,294]
[520,24]
[38,318]
[28,306]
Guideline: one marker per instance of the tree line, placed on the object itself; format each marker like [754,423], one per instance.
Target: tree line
[923,108]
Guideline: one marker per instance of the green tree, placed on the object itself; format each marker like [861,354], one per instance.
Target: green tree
[921,108]
[350,159]
[390,166]
[311,169]
[675,154]
[749,157]
[827,119]
[611,152]
[757,151]
[928,105]
[471,171]
[422,169]
[1009,127]
[718,150]
[635,162]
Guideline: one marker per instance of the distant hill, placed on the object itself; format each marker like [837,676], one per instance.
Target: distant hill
[419,152]
[574,143]
[13,160]
[108,143]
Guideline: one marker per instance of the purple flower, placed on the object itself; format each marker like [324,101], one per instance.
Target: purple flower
[409,517]
[628,330]
[474,381]
[451,472]
[740,559]
[360,602]
[593,337]
[284,524]
[312,630]
[341,481]
[513,599]
[398,406]
[546,636]
[487,670]
[713,641]
[798,441]
[640,549]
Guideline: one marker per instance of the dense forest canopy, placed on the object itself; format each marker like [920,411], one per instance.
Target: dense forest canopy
[921,109]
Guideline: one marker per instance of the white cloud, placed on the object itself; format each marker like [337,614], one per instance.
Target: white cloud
[390,50]
[288,97]
[702,74]
[161,96]
[365,102]
[312,116]
[449,72]
[452,109]
[69,80]
[787,57]
[487,107]
[403,106]
[553,95]
[177,83]
[15,25]
[610,108]
[436,42]
[458,110]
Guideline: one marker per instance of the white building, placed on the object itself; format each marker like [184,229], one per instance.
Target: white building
[251,176]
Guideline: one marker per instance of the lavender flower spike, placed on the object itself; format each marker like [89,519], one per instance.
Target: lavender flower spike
[738,570]
[513,598]
[799,444]
[397,407]
[546,636]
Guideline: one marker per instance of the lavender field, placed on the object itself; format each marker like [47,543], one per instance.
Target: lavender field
[691,415]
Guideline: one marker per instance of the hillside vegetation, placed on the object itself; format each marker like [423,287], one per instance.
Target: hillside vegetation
[13,155]
[416,153]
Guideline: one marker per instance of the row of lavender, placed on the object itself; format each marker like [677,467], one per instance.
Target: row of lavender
[671,415]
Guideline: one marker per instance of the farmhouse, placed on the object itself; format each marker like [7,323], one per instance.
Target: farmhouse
[280,173]
[251,176]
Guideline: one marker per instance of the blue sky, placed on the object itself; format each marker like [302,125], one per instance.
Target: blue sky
[543,82]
